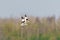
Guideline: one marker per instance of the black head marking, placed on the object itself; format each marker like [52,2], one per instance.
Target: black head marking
[25,15]
[22,17]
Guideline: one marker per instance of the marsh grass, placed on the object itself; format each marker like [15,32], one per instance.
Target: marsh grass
[42,29]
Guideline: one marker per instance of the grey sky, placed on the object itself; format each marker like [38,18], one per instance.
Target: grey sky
[31,7]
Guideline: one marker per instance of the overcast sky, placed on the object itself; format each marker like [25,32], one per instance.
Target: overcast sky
[31,7]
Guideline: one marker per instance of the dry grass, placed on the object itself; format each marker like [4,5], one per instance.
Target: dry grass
[37,29]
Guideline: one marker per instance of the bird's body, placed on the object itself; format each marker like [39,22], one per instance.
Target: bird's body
[24,20]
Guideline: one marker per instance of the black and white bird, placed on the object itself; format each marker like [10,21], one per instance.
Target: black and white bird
[24,20]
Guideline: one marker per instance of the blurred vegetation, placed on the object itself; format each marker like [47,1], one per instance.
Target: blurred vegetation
[46,28]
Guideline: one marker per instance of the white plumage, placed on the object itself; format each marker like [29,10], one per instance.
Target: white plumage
[24,20]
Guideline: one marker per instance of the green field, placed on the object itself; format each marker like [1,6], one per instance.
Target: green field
[37,29]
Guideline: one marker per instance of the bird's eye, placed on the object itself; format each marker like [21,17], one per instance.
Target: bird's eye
[26,19]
